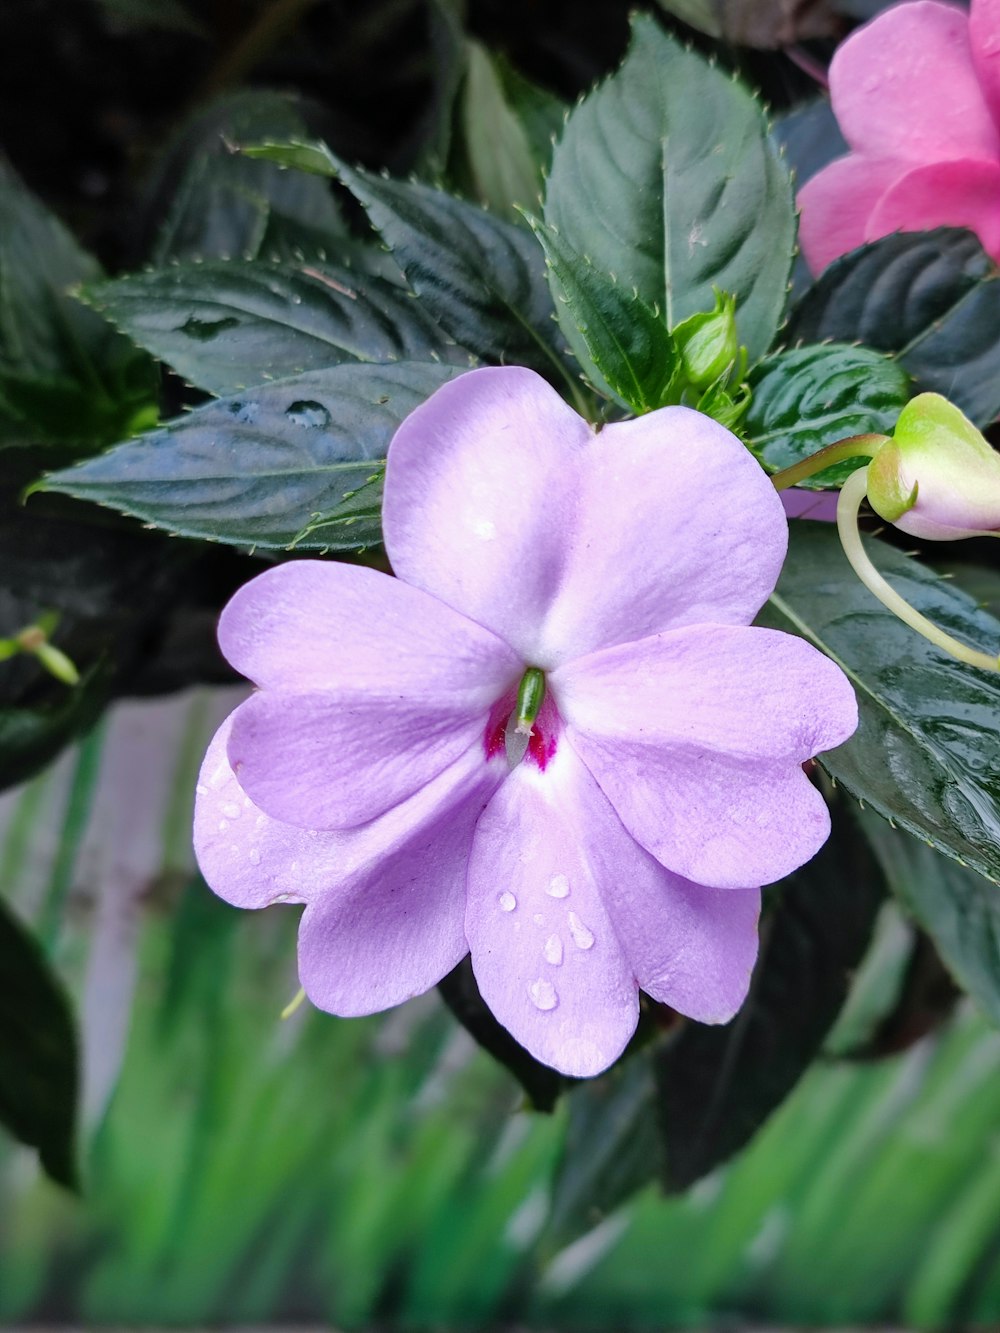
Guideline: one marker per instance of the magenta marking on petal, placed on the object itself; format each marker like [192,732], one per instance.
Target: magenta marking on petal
[494,737]
[543,741]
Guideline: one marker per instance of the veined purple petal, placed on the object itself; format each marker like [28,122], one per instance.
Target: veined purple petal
[502,502]
[697,739]
[373,688]
[386,902]
[546,956]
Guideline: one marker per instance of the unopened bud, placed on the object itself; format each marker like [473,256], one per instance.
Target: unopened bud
[708,342]
[937,477]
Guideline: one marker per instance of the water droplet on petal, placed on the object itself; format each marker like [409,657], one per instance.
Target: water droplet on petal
[538,919]
[223,825]
[253,855]
[201,789]
[542,994]
[507,902]
[557,887]
[232,810]
[260,821]
[553,950]
[582,937]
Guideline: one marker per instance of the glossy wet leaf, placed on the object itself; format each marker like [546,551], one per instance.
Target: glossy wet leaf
[665,177]
[38,1053]
[931,299]
[296,462]
[228,324]
[927,751]
[809,397]
[482,279]
[958,908]
[623,346]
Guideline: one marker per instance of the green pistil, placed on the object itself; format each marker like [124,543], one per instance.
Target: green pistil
[530,697]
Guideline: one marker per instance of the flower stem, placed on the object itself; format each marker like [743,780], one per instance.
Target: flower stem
[854,446]
[848,506]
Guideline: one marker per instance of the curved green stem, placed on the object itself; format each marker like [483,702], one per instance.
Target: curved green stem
[848,505]
[854,446]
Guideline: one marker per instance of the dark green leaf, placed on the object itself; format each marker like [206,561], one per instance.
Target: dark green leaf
[461,994]
[612,1146]
[225,325]
[666,177]
[932,299]
[623,346]
[294,462]
[65,376]
[497,168]
[221,204]
[716,1086]
[927,751]
[480,278]
[32,736]
[38,1054]
[958,909]
[761,23]
[808,397]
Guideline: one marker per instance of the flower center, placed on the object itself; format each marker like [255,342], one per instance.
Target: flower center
[524,724]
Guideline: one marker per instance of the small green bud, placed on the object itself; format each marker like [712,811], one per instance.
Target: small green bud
[937,478]
[708,342]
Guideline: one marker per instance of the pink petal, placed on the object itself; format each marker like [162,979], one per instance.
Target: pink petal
[374,689]
[547,959]
[310,624]
[836,203]
[386,902]
[984,36]
[944,194]
[905,86]
[697,739]
[498,498]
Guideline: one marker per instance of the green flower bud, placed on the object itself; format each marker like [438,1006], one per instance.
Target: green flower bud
[708,342]
[937,477]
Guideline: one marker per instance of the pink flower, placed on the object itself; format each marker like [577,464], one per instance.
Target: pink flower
[917,96]
[369,777]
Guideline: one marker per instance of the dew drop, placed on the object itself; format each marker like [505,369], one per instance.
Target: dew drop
[223,825]
[232,810]
[553,950]
[308,414]
[542,994]
[538,919]
[558,887]
[507,902]
[201,789]
[582,937]
[260,821]
[253,856]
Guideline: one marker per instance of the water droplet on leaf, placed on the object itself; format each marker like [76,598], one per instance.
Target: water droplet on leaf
[308,414]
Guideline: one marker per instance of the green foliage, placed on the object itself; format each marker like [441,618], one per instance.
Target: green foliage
[65,376]
[809,397]
[296,462]
[928,298]
[38,1054]
[666,178]
[219,204]
[624,347]
[225,325]
[678,1109]
[922,755]
[480,278]
[959,909]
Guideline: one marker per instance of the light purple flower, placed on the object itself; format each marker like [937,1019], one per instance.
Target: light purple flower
[368,776]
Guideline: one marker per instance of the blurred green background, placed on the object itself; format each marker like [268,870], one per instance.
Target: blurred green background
[240,1168]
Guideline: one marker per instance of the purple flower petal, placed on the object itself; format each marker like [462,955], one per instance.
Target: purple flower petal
[546,956]
[375,688]
[386,902]
[697,737]
[502,502]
